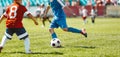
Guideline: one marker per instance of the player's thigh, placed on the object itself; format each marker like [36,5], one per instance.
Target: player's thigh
[9,33]
[62,23]
[54,24]
[21,33]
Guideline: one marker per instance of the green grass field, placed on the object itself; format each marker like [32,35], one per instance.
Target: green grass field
[103,40]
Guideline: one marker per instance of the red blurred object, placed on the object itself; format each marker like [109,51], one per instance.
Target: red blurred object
[100,10]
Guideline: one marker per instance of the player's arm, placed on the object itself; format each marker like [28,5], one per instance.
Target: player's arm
[30,16]
[2,17]
[46,11]
[66,7]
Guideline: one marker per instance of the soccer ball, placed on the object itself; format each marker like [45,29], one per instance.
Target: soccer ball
[56,43]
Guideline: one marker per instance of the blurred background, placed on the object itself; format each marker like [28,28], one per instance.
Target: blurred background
[104,8]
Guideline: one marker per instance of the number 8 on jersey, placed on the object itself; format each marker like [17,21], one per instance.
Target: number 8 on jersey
[13,12]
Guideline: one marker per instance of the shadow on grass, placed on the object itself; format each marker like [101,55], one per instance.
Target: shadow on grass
[56,53]
[87,47]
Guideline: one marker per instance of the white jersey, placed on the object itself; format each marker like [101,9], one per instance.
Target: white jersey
[42,11]
[38,11]
[84,12]
[92,12]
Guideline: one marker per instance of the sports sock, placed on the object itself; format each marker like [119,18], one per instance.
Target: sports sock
[54,35]
[27,45]
[85,21]
[4,39]
[74,30]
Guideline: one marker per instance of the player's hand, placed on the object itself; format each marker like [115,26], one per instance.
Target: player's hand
[36,23]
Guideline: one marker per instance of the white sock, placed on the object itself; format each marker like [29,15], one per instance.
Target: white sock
[27,45]
[4,39]
[85,21]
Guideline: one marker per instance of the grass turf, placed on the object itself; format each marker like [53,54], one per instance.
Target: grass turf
[103,40]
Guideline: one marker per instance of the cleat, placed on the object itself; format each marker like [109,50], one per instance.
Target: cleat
[84,32]
[85,35]
[1,48]
[29,52]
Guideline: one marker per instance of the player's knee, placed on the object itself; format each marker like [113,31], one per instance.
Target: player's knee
[50,30]
[65,29]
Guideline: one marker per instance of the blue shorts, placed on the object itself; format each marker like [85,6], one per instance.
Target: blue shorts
[58,23]
[20,32]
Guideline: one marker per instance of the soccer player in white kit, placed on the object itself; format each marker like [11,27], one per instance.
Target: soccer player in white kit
[84,14]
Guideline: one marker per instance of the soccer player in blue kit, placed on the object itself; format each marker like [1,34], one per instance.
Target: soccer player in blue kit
[59,19]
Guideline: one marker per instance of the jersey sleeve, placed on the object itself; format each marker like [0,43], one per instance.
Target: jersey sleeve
[61,3]
[26,11]
[6,12]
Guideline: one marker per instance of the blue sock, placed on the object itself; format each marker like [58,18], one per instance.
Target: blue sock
[54,35]
[74,30]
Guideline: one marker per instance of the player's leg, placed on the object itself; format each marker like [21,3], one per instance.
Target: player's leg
[53,34]
[4,39]
[93,19]
[63,25]
[27,45]
[23,35]
[43,22]
[48,19]
[74,30]
[8,35]
[51,30]
[84,19]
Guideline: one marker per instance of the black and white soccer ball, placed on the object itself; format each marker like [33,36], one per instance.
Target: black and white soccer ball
[56,43]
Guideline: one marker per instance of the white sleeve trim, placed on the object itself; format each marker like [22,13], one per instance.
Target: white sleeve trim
[27,12]
[59,1]
[4,14]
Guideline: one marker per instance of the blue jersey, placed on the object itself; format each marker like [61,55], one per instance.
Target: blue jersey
[85,2]
[57,8]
